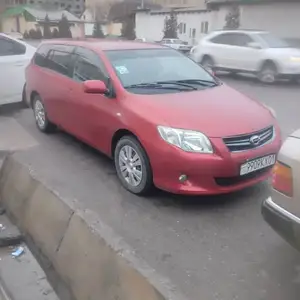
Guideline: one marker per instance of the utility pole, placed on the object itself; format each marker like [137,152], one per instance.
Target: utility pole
[143,4]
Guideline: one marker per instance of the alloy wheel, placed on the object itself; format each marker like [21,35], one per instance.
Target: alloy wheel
[130,165]
[39,113]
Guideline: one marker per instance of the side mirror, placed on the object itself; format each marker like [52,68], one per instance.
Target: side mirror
[254,45]
[94,87]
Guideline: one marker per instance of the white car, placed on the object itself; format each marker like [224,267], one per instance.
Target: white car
[15,55]
[176,44]
[257,52]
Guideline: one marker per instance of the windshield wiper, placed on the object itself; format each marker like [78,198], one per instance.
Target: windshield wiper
[159,85]
[179,83]
[201,82]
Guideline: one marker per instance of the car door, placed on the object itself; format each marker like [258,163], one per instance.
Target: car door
[92,115]
[220,48]
[55,82]
[13,61]
[244,55]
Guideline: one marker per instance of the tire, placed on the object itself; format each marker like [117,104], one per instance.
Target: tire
[24,102]
[136,179]
[208,63]
[40,115]
[295,80]
[268,73]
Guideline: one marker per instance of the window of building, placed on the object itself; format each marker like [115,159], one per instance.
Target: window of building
[9,47]
[204,27]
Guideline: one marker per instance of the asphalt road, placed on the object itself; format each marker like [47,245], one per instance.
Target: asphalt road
[212,248]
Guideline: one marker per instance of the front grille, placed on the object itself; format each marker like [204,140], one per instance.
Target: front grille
[249,141]
[229,181]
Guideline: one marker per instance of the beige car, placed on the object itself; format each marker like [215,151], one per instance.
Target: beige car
[282,210]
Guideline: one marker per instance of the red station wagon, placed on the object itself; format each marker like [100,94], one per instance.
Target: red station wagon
[161,117]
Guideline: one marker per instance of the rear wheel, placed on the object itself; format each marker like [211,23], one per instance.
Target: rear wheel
[267,73]
[40,116]
[133,166]
[208,63]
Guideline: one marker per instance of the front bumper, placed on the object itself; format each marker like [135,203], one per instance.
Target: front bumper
[290,69]
[283,222]
[208,174]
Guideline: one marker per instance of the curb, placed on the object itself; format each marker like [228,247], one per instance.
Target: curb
[89,258]
[9,233]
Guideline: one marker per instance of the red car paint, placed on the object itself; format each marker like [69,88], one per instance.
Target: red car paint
[217,112]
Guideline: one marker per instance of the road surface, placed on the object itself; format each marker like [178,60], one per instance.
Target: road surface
[212,248]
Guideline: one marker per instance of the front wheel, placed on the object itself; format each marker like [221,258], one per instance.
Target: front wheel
[133,166]
[267,73]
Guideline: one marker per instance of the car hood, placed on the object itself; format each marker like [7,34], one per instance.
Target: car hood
[285,51]
[217,112]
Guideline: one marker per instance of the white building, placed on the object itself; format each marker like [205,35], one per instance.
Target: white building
[281,17]
[193,23]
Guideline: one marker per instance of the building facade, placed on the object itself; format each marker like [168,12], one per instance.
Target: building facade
[180,3]
[74,6]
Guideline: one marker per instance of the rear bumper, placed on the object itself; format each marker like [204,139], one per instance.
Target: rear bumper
[283,222]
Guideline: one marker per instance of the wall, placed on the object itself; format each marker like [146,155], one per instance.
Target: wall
[282,19]
[151,26]
[10,24]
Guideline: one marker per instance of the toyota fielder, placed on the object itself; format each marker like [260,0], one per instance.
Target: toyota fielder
[163,119]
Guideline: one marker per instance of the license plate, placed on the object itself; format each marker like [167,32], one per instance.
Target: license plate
[257,164]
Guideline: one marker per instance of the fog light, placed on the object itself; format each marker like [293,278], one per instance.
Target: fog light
[183,178]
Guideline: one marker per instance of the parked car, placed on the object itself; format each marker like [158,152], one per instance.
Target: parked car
[144,40]
[257,52]
[282,210]
[16,35]
[15,55]
[177,44]
[162,118]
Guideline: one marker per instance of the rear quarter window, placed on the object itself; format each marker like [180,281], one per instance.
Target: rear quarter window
[41,55]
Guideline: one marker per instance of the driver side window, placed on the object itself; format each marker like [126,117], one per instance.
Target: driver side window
[88,66]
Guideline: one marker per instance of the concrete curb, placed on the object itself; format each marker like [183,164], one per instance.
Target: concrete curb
[9,233]
[88,256]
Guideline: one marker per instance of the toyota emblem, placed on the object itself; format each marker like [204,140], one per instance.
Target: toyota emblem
[254,140]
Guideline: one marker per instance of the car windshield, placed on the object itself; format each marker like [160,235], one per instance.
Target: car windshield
[150,68]
[273,41]
[177,42]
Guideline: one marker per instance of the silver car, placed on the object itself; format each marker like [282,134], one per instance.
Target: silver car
[282,209]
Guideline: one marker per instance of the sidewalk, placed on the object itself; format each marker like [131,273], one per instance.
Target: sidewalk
[13,137]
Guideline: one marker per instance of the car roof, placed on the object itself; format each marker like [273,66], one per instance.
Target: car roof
[240,31]
[104,45]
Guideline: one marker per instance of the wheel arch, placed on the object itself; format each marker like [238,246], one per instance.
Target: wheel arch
[118,135]
[268,61]
[32,96]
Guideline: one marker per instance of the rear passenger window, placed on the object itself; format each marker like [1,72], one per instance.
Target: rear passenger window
[59,61]
[9,47]
[88,66]
[41,55]
[224,39]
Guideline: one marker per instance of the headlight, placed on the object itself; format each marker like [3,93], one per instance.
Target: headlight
[187,140]
[272,111]
[294,59]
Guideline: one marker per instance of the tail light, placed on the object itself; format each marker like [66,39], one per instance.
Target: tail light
[282,179]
